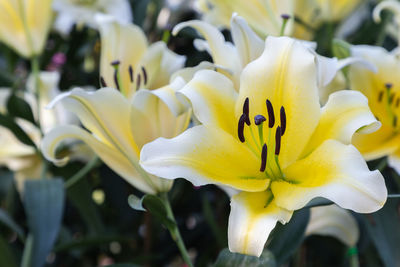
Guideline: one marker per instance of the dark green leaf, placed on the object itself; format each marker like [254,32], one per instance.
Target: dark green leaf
[8,221]
[44,204]
[383,228]
[18,107]
[287,238]
[9,123]
[227,258]
[6,256]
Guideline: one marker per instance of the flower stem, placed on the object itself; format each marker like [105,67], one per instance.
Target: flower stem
[81,173]
[175,234]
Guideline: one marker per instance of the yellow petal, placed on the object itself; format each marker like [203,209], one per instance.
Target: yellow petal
[106,113]
[25,25]
[378,144]
[253,216]
[158,113]
[160,63]
[334,171]
[213,97]
[286,75]
[334,221]
[204,155]
[124,42]
[345,113]
[110,155]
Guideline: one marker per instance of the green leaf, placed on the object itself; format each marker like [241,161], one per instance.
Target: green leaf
[287,238]
[383,228]
[9,123]
[227,258]
[340,49]
[18,107]
[6,219]
[155,206]
[6,256]
[44,205]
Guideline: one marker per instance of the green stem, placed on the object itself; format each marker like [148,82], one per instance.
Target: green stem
[353,254]
[175,234]
[28,252]
[82,173]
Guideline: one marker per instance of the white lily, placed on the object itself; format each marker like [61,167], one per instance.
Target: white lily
[306,155]
[127,61]
[24,160]
[334,221]
[25,25]
[118,127]
[83,12]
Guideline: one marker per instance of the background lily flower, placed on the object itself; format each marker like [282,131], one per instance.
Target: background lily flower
[273,142]
[25,25]
[25,160]
[118,127]
[382,89]
[83,12]
[334,221]
[127,61]
[263,16]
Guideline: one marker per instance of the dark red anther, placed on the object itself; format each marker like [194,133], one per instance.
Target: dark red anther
[264,157]
[242,120]
[246,110]
[138,81]
[278,136]
[130,70]
[144,75]
[102,82]
[271,116]
[283,120]
[116,78]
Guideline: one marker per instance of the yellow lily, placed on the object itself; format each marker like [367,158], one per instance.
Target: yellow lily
[118,127]
[382,89]
[263,16]
[83,12]
[316,12]
[25,25]
[334,221]
[128,63]
[18,157]
[291,152]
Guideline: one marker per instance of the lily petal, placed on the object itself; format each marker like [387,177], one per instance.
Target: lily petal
[334,221]
[124,42]
[110,155]
[253,216]
[334,171]
[106,113]
[204,155]
[213,97]
[286,75]
[345,113]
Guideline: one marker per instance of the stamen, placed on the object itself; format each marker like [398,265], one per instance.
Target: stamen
[391,97]
[241,127]
[144,75]
[264,157]
[103,82]
[278,135]
[397,102]
[138,81]
[258,119]
[380,96]
[394,121]
[283,120]
[285,18]
[246,110]
[116,77]
[130,70]
[271,116]
[388,86]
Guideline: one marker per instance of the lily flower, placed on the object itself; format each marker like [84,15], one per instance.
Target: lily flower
[25,160]
[25,25]
[128,63]
[83,12]
[273,142]
[263,16]
[118,127]
[334,221]
[382,90]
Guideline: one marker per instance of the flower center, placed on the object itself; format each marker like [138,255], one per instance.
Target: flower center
[267,148]
[391,103]
[141,76]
